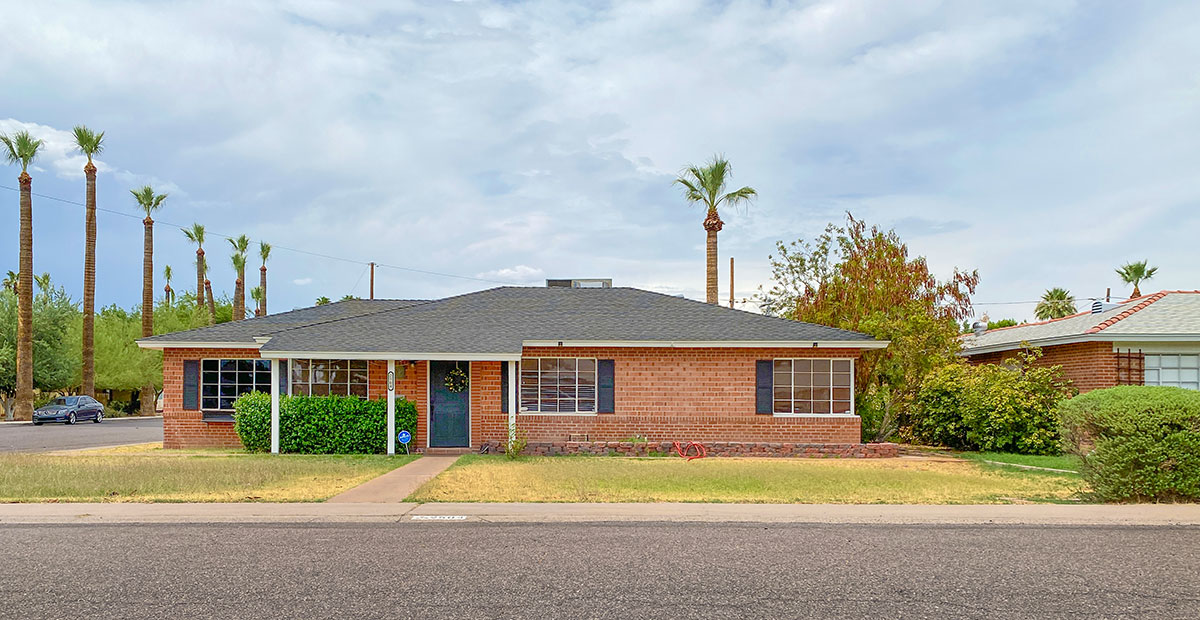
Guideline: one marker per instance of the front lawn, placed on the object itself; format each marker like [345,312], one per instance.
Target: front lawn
[840,481]
[1066,462]
[151,474]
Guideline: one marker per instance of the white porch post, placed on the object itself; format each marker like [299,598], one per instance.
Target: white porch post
[391,407]
[514,397]
[274,406]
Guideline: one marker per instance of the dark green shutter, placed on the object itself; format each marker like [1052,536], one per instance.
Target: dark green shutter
[283,377]
[763,386]
[504,387]
[605,394]
[191,385]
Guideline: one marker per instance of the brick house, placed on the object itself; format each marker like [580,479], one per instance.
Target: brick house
[583,365]
[1150,340]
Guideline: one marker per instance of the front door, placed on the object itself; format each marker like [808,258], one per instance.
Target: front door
[449,411]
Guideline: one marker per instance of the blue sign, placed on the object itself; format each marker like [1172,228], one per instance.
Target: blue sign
[403,437]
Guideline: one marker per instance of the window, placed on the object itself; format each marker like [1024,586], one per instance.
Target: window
[558,385]
[222,381]
[813,386]
[1174,370]
[329,377]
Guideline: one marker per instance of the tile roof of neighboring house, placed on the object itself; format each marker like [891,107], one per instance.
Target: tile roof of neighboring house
[1161,315]
[500,320]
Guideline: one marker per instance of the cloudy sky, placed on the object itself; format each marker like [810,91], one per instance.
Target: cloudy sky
[1041,142]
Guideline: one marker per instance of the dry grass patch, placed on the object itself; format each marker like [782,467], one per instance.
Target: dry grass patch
[766,481]
[146,473]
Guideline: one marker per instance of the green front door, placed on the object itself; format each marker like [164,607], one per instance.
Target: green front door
[449,412]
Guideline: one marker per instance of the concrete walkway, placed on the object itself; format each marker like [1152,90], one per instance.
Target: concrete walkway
[1024,514]
[394,486]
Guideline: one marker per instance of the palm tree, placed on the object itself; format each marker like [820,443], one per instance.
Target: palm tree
[11,280]
[149,202]
[21,148]
[256,294]
[264,251]
[195,234]
[168,292]
[43,283]
[208,298]
[240,245]
[89,143]
[1135,273]
[1055,304]
[706,186]
[322,300]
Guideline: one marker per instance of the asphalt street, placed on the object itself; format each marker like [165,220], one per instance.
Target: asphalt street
[113,431]
[657,570]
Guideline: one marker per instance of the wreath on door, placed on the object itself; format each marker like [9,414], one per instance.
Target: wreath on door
[457,380]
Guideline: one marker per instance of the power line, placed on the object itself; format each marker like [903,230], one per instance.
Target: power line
[273,245]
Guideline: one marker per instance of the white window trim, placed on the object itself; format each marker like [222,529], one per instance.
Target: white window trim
[853,412]
[291,368]
[200,382]
[579,414]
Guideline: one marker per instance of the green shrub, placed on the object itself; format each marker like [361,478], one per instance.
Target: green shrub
[1136,443]
[516,444]
[995,408]
[320,424]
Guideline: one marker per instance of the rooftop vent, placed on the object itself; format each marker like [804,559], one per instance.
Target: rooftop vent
[979,327]
[580,283]
[1099,306]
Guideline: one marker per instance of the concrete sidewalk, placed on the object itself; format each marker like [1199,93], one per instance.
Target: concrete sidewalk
[1030,514]
[394,486]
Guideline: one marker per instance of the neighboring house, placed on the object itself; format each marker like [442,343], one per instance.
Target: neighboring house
[1150,340]
[562,364]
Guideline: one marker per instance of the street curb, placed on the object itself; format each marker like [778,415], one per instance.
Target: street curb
[973,514]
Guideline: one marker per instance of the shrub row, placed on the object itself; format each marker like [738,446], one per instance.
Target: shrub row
[1001,408]
[320,424]
[1136,443]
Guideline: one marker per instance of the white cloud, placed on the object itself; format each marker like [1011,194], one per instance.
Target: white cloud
[1035,141]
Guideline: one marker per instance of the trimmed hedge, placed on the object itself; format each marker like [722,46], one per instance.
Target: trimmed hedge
[993,408]
[320,424]
[1137,443]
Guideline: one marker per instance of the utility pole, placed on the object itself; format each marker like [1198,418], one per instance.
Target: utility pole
[730,281]
[372,279]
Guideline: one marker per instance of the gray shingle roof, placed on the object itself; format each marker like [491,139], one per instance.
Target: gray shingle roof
[499,320]
[1166,313]
[243,332]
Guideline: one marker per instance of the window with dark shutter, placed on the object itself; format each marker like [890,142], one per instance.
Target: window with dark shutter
[504,387]
[191,385]
[762,387]
[605,392]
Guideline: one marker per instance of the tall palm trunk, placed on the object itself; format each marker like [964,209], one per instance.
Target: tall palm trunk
[24,403]
[1136,292]
[199,277]
[262,282]
[239,298]
[148,395]
[712,225]
[88,384]
[212,304]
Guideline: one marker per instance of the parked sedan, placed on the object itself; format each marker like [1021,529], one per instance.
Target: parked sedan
[69,409]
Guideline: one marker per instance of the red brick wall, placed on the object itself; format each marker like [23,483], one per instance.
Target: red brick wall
[662,394]
[1089,365]
[665,395]
[187,429]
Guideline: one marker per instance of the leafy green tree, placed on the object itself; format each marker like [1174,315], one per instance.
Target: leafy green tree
[55,352]
[1135,273]
[90,144]
[863,279]
[705,185]
[1056,303]
[22,148]
[322,300]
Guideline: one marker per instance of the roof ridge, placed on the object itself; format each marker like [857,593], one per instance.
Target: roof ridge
[1146,300]
[1045,322]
